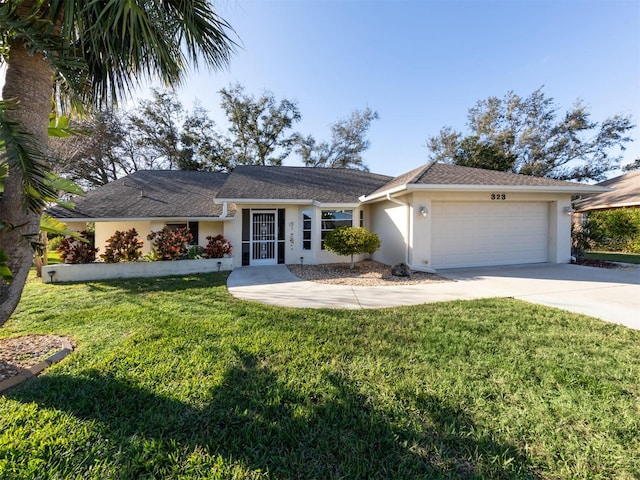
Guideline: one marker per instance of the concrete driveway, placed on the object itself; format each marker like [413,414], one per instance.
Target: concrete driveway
[612,295]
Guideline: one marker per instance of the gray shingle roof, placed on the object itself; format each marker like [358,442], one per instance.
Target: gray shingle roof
[149,194]
[447,174]
[184,194]
[626,193]
[324,185]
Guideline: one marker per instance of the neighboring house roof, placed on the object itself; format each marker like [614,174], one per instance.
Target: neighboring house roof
[626,193]
[260,184]
[150,194]
[442,176]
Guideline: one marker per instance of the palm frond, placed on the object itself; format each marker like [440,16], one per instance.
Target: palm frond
[48,224]
[100,50]
[125,42]
[19,152]
[60,127]
[35,30]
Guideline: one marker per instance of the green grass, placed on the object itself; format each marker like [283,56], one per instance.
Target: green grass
[614,257]
[173,378]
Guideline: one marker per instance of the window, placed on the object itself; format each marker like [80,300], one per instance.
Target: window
[362,218]
[332,219]
[193,229]
[306,229]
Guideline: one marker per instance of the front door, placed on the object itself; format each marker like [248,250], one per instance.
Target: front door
[263,237]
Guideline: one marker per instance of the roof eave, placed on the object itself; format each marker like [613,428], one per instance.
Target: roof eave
[285,201]
[382,194]
[569,189]
[609,206]
[144,219]
[264,201]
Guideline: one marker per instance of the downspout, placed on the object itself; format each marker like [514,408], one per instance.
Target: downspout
[408,237]
[224,210]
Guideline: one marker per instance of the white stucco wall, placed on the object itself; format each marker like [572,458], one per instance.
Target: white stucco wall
[293,233]
[105,271]
[210,229]
[400,227]
[76,226]
[390,222]
[104,230]
[405,234]
[560,231]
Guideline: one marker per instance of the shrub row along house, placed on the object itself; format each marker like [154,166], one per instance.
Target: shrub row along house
[434,217]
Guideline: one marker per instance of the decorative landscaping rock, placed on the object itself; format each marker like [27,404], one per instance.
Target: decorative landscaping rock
[401,270]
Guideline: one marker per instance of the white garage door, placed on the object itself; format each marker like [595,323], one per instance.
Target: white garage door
[479,234]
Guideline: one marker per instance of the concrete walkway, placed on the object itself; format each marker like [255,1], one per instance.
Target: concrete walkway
[611,295]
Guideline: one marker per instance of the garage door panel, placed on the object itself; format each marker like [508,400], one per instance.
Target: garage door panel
[479,234]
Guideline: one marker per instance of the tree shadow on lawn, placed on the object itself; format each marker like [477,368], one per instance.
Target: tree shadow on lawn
[156,284]
[255,420]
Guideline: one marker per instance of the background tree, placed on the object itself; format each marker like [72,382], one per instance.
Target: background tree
[348,141]
[471,152]
[83,54]
[155,128]
[258,131]
[528,136]
[635,165]
[158,134]
[203,147]
[96,156]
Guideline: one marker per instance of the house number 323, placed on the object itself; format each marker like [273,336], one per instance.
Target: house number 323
[498,196]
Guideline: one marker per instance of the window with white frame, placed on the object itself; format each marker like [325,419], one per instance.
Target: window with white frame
[307,221]
[332,219]
[362,218]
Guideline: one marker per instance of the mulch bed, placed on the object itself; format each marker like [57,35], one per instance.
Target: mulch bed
[20,353]
[596,263]
[366,273]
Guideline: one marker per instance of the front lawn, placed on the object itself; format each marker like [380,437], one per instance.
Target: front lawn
[173,378]
[614,257]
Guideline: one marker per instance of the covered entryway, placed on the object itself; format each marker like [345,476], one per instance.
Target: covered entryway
[489,233]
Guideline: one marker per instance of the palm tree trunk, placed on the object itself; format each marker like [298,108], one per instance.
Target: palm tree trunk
[28,80]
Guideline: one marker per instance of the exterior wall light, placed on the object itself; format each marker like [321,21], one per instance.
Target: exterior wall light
[424,211]
[568,210]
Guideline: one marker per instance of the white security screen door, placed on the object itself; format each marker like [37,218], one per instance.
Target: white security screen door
[263,238]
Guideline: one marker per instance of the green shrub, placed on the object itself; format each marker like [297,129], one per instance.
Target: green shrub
[614,230]
[195,251]
[583,237]
[351,241]
[170,244]
[123,247]
[75,250]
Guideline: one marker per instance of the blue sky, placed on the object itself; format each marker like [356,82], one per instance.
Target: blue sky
[422,64]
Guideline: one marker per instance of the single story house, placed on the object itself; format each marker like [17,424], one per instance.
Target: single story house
[624,192]
[434,217]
